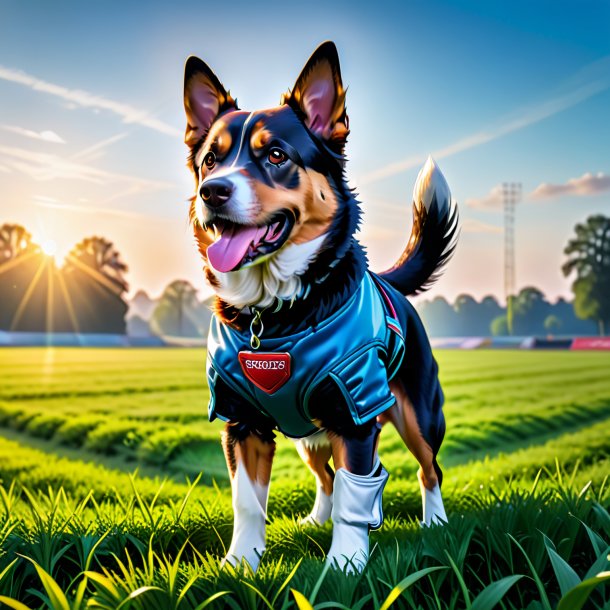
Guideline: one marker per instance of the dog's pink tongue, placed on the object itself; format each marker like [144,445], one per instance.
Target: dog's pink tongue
[229,250]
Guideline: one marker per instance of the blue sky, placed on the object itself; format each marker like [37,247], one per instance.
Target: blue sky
[91,119]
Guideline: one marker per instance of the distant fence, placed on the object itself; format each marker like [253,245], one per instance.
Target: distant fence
[23,339]
[571,343]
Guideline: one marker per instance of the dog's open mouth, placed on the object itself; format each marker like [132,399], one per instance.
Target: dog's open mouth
[237,245]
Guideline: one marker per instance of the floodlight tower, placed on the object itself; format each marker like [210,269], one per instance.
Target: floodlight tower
[511,195]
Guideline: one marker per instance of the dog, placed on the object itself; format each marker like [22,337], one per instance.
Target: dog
[305,339]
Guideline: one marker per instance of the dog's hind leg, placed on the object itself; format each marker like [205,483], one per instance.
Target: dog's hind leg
[403,417]
[249,458]
[316,451]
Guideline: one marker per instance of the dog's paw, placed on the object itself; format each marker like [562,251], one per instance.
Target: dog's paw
[310,521]
[320,513]
[248,560]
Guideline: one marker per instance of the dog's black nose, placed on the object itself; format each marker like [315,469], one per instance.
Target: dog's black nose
[216,191]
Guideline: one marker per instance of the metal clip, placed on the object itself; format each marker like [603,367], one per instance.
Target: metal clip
[255,342]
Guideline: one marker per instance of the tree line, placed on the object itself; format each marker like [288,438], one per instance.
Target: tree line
[532,314]
[87,294]
[529,312]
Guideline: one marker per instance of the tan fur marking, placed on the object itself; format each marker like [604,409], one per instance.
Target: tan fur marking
[219,133]
[257,457]
[316,459]
[320,209]
[314,199]
[223,142]
[260,136]
[402,415]
[274,199]
[202,237]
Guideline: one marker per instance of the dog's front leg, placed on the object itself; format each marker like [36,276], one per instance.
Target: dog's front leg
[358,487]
[249,459]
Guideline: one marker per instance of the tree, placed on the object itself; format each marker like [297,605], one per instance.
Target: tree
[499,326]
[24,278]
[98,257]
[589,258]
[93,276]
[14,241]
[177,313]
[467,315]
[552,324]
[530,309]
[439,317]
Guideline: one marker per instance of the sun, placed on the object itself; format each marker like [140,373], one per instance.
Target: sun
[49,247]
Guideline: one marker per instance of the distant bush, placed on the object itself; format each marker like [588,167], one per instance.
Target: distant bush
[7,414]
[20,419]
[164,445]
[44,425]
[74,431]
[111,436]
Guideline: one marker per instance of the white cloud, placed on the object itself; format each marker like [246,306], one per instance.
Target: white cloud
[50,202]
[528,116]
[494,200]
[45,136]
[45,166]
[96,150]
[587,184]
[85,99]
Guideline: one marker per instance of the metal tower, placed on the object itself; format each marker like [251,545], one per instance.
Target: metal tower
[511,195]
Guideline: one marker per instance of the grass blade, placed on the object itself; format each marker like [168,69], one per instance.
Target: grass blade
[600,565]
[405,583]
[13,603]
[539,584]
[285,583]
[491,595]
[57,599]
[576,598]
[301,601]
[210,599]
[564,573]
[319,582]
[461,582]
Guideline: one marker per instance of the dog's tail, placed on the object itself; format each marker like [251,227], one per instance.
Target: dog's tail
[433,237]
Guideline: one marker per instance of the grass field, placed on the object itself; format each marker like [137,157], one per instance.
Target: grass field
[526,460]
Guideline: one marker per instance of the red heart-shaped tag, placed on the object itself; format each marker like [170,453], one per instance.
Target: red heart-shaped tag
[266,370]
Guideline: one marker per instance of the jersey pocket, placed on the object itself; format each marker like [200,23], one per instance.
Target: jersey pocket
[363,381]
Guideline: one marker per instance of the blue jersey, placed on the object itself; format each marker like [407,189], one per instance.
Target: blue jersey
[360,347]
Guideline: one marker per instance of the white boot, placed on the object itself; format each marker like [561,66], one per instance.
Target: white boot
[432,504]
[249,514]
[320,513]
[356,509]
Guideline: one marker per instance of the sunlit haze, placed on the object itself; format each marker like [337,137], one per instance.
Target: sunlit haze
[91,121]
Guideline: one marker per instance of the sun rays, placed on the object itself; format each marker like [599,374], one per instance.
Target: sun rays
[84,295]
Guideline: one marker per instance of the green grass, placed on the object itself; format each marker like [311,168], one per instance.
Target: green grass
[526,461]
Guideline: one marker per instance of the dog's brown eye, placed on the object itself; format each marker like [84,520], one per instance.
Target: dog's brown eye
[210,160]
[277,156]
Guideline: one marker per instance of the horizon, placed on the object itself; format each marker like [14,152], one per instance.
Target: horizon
[91,129]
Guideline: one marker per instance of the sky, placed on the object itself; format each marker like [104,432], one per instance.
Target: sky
[92,120]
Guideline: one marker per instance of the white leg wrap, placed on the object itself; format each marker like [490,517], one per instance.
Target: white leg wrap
[356,508]
[432,505]
[249,513]
[320,513]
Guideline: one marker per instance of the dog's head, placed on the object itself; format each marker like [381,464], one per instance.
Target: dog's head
[266,180]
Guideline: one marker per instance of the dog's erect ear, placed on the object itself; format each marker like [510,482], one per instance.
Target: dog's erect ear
[319,95]
[204,99]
